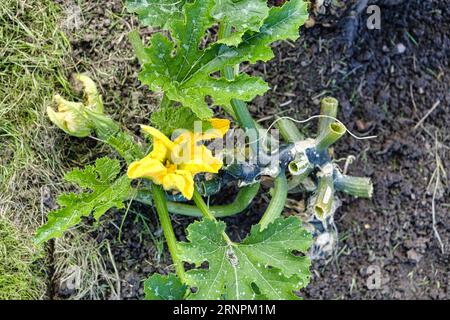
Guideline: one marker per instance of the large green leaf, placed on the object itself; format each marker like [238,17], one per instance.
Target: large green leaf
[159,287]
[186,73]
[156,13]
[169,119]
[264,264]
[241,16]
[107,191]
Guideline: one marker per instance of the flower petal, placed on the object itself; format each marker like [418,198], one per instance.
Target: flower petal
[159,151]
[223,125]
[155,133]
[147,168]
[92,97]
[202,161]
[182,181]
[220,127]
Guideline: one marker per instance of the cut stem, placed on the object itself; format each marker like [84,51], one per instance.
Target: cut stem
[325,197]
[355,186]
[289,130]
[164,219]
[328,107]
[330,135]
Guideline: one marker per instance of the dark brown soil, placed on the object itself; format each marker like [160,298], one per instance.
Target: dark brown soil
[386,81]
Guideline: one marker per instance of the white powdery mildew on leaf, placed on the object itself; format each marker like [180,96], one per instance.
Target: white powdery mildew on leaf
[155,13]
[159,287]
[264,259]
[184,71]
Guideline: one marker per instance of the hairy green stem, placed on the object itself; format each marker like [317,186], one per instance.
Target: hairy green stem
[164,219]
[110,132]
[138,46]
[200,203]
[277,202]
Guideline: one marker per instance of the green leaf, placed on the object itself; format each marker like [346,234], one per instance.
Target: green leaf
[241,16]
[159,287]
[169,119]
[186,73]
[156,13]
[107,191]
[264,259]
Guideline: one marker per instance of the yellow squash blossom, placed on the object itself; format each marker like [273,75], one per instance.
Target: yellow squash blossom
[173,164]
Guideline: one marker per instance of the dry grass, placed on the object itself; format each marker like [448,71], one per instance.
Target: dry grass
[32,50]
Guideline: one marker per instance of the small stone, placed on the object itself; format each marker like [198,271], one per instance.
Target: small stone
[400,48]
[414,256]
[311,22]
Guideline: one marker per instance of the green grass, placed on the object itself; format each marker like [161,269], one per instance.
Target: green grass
[32,51]
[19,278]
[32,55]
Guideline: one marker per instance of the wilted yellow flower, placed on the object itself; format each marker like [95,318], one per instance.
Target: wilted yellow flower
[71,116]
[92,99]
[173,164]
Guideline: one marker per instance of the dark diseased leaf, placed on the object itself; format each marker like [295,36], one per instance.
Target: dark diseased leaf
[265,259]
[185,72]
[159,287]
[106,191]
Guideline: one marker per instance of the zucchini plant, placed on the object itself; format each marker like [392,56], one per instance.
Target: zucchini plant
[195,72]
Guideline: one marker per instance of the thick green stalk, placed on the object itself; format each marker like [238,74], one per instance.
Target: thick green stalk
[110,132]
[289,130]
[277,202]
[164,219]
[241,202]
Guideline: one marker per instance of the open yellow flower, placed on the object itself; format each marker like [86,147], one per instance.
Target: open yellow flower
[173,164]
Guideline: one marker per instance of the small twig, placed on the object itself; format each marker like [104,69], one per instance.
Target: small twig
[412,98]
[436,104]
[437,176]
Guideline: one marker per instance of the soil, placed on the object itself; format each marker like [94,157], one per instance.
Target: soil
[393,83]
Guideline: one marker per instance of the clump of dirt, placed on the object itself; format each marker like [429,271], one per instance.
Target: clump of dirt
[387,82]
